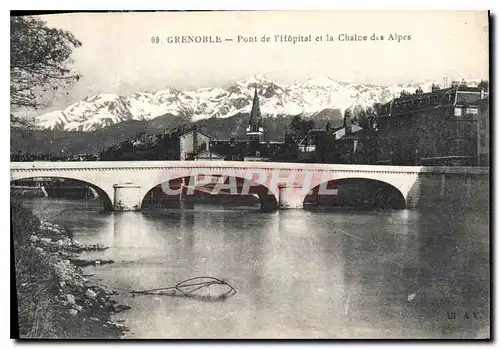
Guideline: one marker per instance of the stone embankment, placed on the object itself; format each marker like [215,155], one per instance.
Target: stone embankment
[55,299]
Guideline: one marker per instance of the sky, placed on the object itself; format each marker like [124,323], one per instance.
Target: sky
[118,56]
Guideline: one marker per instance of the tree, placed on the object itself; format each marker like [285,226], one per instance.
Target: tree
[296,124]
[347,117]
[307,125]
[324,145]
[347,113]
[301,127]
[377,107]
[367,117]
[39,59]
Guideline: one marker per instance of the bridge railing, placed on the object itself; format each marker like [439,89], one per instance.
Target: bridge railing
[242,165]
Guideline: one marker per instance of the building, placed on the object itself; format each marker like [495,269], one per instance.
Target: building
[352,143]
[355,148]
[349,144]
[345,130]
[193,142]
[434,128]
[231,150]
[181,143]
[483,130]
[309,146]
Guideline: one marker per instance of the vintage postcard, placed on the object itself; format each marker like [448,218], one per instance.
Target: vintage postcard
[238,175]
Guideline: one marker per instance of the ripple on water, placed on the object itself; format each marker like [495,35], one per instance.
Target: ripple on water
[299,274]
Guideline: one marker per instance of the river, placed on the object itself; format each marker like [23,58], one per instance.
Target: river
[298,273]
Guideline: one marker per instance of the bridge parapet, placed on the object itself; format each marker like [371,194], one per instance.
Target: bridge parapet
[116,165]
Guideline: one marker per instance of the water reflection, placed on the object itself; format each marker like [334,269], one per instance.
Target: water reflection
[454,275]
[299,274]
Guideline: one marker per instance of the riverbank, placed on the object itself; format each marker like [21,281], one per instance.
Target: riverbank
[54,299]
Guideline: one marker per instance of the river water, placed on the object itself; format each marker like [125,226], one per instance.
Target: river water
[299,273]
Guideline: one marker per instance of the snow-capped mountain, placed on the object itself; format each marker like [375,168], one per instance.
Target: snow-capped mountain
[306,99]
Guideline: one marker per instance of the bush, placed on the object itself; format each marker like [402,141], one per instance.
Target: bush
[35,279]
[23,224]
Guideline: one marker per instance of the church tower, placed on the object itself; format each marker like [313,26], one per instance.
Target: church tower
[255,129]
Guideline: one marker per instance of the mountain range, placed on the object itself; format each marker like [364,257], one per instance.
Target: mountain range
[317,96]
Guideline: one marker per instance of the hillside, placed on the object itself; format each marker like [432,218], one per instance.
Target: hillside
[62,142]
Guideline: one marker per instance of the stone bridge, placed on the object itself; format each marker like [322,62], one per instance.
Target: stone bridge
[123,185]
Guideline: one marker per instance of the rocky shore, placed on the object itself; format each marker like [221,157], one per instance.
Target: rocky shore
[55,299]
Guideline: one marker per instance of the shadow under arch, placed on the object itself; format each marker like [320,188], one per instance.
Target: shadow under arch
[354,192]
[103,196]
[174,191]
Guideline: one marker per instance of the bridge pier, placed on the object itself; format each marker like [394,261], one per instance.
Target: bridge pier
[127,197]
[291,196]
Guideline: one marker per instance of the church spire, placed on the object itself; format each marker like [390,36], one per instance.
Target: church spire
[255,116]
[255,129]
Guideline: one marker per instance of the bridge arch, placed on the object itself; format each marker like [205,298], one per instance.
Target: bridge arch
[173,183]
[104,195]
[357,192]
